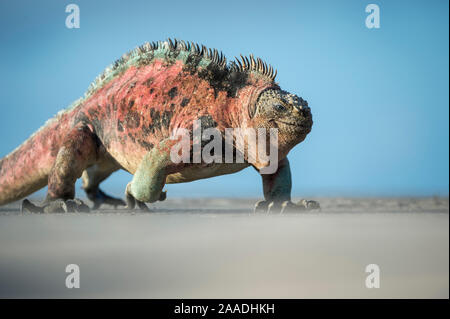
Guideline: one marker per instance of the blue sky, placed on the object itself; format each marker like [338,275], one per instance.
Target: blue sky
[379,97]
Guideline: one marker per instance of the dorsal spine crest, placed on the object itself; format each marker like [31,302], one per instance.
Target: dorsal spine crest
[181,50]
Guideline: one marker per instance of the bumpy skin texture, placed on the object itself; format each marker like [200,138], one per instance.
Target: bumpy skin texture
[127,117]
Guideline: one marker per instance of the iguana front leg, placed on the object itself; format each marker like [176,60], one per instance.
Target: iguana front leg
[277,192]
[150,177]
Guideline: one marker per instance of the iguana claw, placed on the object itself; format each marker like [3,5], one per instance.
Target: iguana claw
[309,204]
[274,207]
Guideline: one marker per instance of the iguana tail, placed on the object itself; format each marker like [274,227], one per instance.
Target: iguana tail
[26,169]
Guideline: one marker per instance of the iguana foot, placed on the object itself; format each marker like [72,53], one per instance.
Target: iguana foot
[273,207]
[98,197]
[55,206]
[133,202]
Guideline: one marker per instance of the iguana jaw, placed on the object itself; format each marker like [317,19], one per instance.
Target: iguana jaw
[297,126]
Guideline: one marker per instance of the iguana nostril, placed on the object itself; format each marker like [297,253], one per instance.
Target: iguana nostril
[305,111]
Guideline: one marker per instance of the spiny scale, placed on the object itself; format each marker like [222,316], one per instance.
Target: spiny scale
[242,64]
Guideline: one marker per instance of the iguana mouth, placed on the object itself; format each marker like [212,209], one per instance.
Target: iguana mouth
[300,127]
[290,123]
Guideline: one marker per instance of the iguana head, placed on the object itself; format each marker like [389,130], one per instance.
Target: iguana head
[286,112]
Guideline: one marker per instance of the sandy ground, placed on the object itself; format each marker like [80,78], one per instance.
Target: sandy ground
[213,248]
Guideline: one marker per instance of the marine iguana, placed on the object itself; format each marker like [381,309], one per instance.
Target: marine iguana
[126,118]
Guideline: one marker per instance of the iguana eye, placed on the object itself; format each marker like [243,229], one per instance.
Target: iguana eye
[279,107]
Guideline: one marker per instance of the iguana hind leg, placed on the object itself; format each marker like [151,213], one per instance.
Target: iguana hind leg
[93,176]
[277,192]
[78,151]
